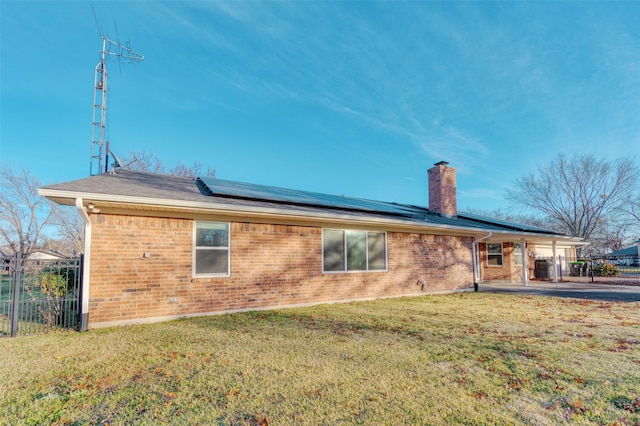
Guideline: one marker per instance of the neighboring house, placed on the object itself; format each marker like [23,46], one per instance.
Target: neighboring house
[5,259]
[629,256]
[161,247]
[45,254]
[36,255]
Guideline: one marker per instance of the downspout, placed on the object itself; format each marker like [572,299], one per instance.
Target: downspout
[476,261]
[86,266]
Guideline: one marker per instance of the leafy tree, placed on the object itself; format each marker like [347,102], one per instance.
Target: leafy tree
[578,193]
[23,213]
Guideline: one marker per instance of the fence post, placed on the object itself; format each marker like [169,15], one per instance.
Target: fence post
[17,280]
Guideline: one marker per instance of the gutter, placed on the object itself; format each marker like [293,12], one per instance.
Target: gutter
[476,261]
[86,267]
[255,211]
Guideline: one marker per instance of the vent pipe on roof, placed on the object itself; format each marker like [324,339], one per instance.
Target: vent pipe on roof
[442,189]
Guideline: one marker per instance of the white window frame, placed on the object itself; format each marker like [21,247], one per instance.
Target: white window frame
[501,254]
[345,251]
[196,248]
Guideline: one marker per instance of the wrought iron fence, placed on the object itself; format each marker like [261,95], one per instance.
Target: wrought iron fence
[597,269]
[614,269]
[38,295]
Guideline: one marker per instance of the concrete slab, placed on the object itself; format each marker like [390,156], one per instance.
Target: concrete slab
[603,292]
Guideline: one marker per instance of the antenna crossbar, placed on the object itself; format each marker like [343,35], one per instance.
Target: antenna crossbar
[111,49]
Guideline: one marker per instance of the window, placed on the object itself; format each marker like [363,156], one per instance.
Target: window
[494,254]
[211,249]
[345,251]
[517,254]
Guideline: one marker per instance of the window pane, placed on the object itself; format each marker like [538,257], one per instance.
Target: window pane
[356,251]
[212,262]
[333,249]
[494,254]
[377,252]
[494,260]
[517,254]
[210,234]
[494,248]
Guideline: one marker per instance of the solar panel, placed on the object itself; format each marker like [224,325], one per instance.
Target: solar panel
[225,188]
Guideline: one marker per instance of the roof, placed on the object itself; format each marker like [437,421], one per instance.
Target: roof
[37,253]
[629,251]
[150,191]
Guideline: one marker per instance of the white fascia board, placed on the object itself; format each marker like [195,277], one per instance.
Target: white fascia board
[198,206]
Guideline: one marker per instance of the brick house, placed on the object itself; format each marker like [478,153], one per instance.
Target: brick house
[162,247]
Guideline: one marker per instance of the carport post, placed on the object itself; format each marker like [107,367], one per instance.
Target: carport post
[554,263]
[525,267]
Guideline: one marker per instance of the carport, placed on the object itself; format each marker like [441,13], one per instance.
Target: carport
[515,257]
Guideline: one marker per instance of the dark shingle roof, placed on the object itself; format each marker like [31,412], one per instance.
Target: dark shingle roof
[143,185]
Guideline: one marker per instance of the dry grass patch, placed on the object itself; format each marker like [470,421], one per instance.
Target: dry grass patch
[473,358]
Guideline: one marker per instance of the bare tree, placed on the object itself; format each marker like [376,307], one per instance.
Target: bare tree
[23,213]
[146,162]
[510,216]
[633,207]
[611,234]
[70,229]
[579,193]
[143,161]
[196,170]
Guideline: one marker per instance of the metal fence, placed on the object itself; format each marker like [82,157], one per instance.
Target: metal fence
[614,269]
[596,269]
[37,296]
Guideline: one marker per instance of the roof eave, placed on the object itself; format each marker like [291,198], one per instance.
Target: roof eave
[68,198]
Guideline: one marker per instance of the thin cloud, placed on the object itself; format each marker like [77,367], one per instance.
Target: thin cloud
[452,70]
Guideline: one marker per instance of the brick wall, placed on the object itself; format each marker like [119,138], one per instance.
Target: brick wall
[271,266]
[509,271]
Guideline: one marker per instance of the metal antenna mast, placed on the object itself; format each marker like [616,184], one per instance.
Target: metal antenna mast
[99,161]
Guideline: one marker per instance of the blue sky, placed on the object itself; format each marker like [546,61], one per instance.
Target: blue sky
[352,98]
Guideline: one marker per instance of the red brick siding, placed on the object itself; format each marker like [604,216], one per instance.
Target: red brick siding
[442,190]
[271,266]
[509,271]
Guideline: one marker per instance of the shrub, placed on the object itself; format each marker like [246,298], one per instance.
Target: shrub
[48,288]
[606,270]
[53,284]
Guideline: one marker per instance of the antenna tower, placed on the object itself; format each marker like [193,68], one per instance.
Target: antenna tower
[111,50]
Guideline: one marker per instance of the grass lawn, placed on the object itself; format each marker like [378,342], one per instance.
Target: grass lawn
[472,358]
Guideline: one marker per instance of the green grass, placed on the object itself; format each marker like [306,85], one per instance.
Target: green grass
[473,358]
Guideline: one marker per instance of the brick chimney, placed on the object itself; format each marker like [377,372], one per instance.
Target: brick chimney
[442,189]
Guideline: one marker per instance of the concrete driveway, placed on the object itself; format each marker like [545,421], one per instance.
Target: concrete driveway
[608,293]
